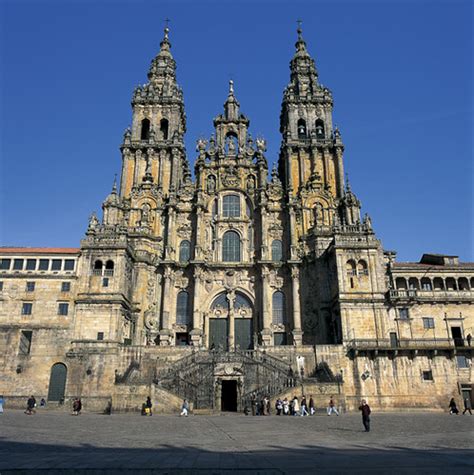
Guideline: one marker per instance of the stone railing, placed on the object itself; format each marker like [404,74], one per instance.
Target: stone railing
[386,344]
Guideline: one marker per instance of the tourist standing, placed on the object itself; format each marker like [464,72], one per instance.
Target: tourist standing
[364,407]
[467,405]
[148,406]
[332,407]
[311,405]
[453,409]
[279,406]
[304,411]
[30,406]
[286,407]
[76,407]
[184,408]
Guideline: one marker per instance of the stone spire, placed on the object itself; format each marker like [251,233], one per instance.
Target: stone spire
[231,105]
[163,66]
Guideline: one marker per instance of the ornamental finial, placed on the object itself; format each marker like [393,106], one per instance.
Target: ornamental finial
[231,87]
[299,30]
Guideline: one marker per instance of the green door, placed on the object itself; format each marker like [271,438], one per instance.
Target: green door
[243,333]
[218,333]
[57,382]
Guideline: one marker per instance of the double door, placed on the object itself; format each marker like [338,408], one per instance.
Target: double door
[219,337]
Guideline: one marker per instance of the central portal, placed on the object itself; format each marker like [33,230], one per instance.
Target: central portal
[229,395]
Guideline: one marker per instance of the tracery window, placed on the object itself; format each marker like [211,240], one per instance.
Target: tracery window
[231,247]
[231,206]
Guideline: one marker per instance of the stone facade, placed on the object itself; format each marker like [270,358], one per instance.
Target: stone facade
[233,272]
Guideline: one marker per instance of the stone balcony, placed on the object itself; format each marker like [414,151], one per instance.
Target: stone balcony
[416,295]
[412,347]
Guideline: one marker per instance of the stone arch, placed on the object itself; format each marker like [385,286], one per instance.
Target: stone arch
[401,283]
[451,284]
[438,283]
[426,284]
[164,128]
[413,283]
[145,129]
[301,128]
[362,268]
[351,268]
[320,130]
[463,283]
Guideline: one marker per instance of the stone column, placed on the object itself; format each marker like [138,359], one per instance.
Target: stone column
[297,332]
[266,332]
[326,167]
[198,245]
[264,244]
[293,254]
[231,299]
[165,332]
[197,331]
[340,173]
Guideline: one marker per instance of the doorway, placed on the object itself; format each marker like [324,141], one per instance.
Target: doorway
[456,333]
[243,333]
[57,382]
[229,395]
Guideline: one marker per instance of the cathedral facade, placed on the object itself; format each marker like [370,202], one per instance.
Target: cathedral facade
[230,284]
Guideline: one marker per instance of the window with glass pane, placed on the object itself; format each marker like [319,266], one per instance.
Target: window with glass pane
[27,308]
[428,323]
[30,264]
[231,206]
[462,361]
[277,250]
[18,264]
[43,264]
[30,286]
[65,286]
[182,308]
[184,251]
[63,309]
[5,264]
[56,264]
[69,264]
[25,342]
[231,247]
[278,308]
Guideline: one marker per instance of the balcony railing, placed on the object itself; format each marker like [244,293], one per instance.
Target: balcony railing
[395,294]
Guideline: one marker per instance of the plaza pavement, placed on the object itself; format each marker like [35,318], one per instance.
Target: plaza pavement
[56,442]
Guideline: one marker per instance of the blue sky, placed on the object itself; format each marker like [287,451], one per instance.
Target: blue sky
[400,72]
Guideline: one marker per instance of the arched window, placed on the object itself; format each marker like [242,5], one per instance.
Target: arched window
[220,302]
[277,250]
[301,128]
[278,308]
[320,133]
[438,283]
[182,308]
[231,206]
[426,284]
[463,283]
[351,268]
[164,128]
[231,247]
[362,268]
[401,283]
[109,268]
[450,284]
[241,301]
[184,251]
[413,283]
[98,265]
[145,133]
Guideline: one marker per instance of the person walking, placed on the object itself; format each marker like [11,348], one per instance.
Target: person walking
[364,407]
[467,405]
[30,406]
[286,407]
[184,408]
[311,405]
[332,407]
[453,409]
[296,407]
[279,406]
[76,407]
[148,406]
[304,411]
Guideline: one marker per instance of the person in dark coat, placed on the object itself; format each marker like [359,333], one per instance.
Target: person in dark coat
[149,405]
[453,409]
[364,407]
[30,406]
[311,405]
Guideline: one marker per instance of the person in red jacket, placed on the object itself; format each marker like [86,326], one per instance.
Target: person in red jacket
[364,407]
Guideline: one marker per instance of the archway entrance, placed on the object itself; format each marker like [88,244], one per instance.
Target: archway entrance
[57,382]
[229,395]
[231,322]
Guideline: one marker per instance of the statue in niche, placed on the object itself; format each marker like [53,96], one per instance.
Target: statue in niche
[231,145]
[318,214]
[211,184]
[250,183]
[145,215]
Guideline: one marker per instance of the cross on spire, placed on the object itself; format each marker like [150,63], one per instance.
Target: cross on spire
[299,30]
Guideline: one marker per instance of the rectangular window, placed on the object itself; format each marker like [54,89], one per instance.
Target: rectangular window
[30,286]
[30,264]
[69,264]
[63,308]
[25,342]
[65,286]
[462,361]
[403,313]
[100,335]
[43,264]
[18,264]
[5,264]
[105,282]
[231,206]
[27,308]
[428,322]
[56,264]
[428,375]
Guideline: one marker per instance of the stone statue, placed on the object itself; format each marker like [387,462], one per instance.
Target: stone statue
[250,183]
[211,184]
[93,222]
